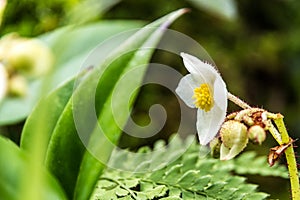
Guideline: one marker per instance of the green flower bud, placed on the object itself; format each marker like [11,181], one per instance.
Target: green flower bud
[257,134]
[3,82]
[17,86]
[234,139]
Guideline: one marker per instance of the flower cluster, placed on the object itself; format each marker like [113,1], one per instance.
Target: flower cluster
[205,90]
[22,60]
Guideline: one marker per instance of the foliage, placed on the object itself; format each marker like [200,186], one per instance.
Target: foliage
[225,9]
[54,161]
[59,146]
[37,17]
[194,175]
[249,163]
[71,47]
[16,168]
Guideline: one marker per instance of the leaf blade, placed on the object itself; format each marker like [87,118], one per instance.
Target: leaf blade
[15,166]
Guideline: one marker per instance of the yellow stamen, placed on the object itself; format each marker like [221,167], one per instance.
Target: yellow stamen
[203,97]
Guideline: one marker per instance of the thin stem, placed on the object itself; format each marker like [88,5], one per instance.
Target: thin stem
[282,129]
[276,135]
[281,136]
[290,158]
[237,101]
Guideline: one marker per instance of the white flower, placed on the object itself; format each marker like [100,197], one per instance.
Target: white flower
[205,90]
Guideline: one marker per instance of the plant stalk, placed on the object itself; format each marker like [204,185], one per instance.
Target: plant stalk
[290,158]
[282,138]
[237,101]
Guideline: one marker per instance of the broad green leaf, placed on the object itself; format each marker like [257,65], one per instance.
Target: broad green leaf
[54,104]
[15,175]
[40,130]
[103,141]
[70,46]
[65,149]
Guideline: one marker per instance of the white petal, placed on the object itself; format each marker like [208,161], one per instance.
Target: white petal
[220,93]
[185,89]
[198,68]
[209,123]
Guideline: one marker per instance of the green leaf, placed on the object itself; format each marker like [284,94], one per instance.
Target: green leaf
[249,163]
[70,46]
[88,10]
[215,189]
[121,192]
[65,149]
[103,141]
[170,175]
[171,198]
[15,175]
[256,196]
[54,104]
[187,181]
[201,182]
[188,178]
[157,191]
[223,8]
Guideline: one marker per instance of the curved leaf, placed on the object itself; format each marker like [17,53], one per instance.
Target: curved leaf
[54,104]
[70,46]
[137,51]
[15,174]
[223,8]
[65,149]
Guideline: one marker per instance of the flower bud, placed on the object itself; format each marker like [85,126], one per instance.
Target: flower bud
[31,57]
[3,82]
[28,56]
[17,86]
[257,134]
[234,139]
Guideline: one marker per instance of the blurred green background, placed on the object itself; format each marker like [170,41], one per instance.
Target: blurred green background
[255,45]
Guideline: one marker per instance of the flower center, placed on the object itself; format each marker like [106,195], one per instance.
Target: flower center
[203,97]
